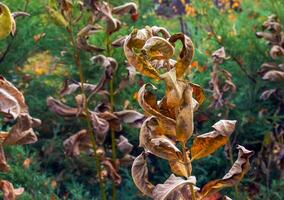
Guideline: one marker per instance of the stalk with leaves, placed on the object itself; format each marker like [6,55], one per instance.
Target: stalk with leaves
[169,126]
[271,153]
[100,114]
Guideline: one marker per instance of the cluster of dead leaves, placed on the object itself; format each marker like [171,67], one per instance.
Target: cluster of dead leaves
[170,120]
[102,117]
[13,107]
[221,82]
[7,21]
[274,72]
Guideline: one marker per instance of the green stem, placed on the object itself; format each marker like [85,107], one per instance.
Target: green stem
[111,97]
[87,113]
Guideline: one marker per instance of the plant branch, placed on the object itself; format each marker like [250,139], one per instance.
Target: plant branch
[86,111]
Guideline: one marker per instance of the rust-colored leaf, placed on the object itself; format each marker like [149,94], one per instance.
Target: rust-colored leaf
[139,173]
[205,144]
[234,176]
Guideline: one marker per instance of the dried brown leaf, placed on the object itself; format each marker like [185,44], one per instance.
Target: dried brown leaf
[136,40]
[172,188]
[139,173]
[152,139]
[82,38]
[205,144]
[274,75]
[123,145]
[9,193]
[125,9]
[131,117]
[22,132]
[186,53]
[233,177]
[61,109]
[12,100]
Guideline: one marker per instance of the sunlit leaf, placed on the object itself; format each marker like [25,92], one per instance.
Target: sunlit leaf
[205,144]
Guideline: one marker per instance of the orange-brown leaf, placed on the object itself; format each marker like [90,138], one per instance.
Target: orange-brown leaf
[205,144]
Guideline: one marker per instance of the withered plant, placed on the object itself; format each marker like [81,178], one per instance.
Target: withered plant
[221,83]
[14,109]
[102,119]
[169,126]
[272,150]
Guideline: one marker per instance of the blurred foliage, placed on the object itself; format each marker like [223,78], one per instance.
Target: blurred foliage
[39,58]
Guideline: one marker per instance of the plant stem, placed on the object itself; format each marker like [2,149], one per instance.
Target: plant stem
[111,98]
[86,111]
[187,162]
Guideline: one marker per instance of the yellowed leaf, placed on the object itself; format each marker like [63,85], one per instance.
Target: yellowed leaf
[6,21]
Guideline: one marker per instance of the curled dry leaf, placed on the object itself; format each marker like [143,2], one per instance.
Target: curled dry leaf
[125,9]
[148,102]
[6,21]
[126,160]
[22,132]
[4,167]
[77,143]
[70,87]
[205,144]
[112,171]
[101,127]
[12,100]
[118,42]
[82,38]
[123,145]
[9,193]
[186,53]
[234,176]
[276,51]
[274,75]
[136,40]
[172,188]
[139,173]
[131,117]
[61,109]
[152,139]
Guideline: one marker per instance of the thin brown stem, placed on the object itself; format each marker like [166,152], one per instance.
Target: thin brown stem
[76,56]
